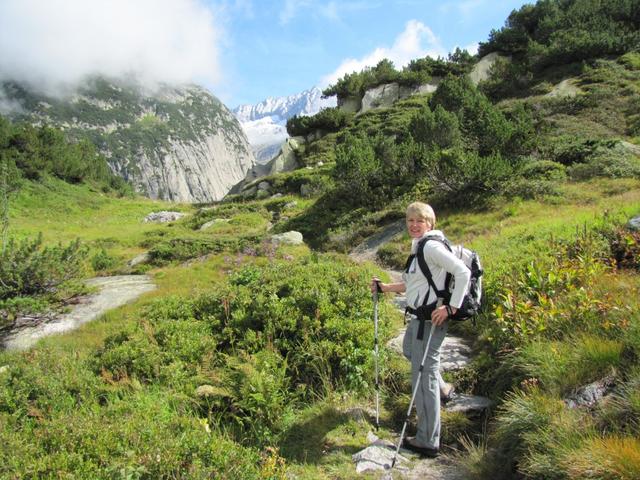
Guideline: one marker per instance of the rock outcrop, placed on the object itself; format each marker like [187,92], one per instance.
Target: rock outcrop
[481,70]
[174,143]
[285,161]
[389,93]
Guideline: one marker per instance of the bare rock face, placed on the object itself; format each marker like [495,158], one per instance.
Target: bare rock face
[171,143]
[482,69]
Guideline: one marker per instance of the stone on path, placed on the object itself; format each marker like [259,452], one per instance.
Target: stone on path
[378,456]
[454,354]
[467,403]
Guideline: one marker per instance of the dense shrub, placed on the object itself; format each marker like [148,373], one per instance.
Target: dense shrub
[181,249]
[625,247]
[543,170]
[268,338]
[372,171]
[556,32]
[610,163]
[38,151]
[327,120]
[546,297]
[28,268]
[102,261]
[417,72]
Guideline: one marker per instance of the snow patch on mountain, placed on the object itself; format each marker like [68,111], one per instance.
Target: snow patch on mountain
[265,123]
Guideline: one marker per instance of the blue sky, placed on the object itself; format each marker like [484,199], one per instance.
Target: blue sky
[278,48]
[242,50]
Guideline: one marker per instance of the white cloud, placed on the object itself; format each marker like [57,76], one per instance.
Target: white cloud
[331,10]
[472,48]
[291,9]
[53,44]
[416,41]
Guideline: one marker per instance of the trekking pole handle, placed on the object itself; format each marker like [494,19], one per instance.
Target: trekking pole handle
[378,289]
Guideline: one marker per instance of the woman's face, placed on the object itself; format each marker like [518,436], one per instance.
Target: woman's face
[417,226]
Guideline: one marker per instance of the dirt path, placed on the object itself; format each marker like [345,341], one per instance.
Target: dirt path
[113,292]
[367,249]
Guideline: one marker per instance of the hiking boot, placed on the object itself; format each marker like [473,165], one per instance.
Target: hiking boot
[425,452]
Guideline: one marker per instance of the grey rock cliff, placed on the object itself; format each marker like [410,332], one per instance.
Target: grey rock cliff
[173,143]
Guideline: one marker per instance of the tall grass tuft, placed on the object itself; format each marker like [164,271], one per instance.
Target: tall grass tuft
[605,458]
[560,367]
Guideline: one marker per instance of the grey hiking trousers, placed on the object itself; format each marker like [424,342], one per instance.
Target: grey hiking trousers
[428,396]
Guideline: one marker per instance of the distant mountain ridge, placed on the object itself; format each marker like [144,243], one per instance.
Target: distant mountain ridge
[308,102]
[265,123]
[174,143]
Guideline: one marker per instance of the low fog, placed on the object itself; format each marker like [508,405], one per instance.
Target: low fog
[52,45]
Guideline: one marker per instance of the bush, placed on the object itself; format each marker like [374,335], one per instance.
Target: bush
[625,247]
[544,170]
[43,150]
[27,268]
[609,163]
[326,120]
[558,33]
[392,255]
[102,261]
[259,392]
[181,249]
[547,296]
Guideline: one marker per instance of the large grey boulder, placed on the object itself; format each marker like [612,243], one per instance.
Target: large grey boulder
[375,458]
[289,238]
[286,160]
[567,88]
[139,259]
[634,223]
[163,217]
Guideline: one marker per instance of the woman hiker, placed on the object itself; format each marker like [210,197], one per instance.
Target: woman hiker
[421,221]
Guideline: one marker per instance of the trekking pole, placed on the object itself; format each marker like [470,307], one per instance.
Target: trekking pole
[375,350]
[413,395]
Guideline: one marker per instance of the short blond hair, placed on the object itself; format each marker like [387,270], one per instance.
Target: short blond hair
[422,210]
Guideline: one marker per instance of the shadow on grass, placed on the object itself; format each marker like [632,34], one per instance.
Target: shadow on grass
[306,441]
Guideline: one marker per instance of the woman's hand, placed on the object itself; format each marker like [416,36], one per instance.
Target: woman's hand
[441,314]
[376,285]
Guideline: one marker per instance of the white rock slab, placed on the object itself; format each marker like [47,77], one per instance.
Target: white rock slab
[467,403]
[375,458]
[113,292]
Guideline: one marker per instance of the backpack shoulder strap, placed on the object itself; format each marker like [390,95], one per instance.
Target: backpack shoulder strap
[422,263]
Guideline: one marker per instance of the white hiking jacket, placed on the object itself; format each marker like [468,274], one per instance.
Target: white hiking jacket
[440,261]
